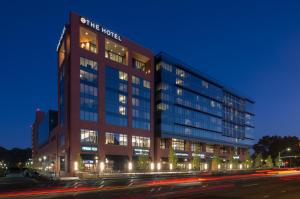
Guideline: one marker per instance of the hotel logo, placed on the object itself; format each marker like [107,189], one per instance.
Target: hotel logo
[101,29]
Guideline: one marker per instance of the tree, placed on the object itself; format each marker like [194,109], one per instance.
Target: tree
[196,159]
[269,162]
[272,145]
[248,160]
[173,158]
[143,162]
[258,161]
[80,162]
[277,162]
[215,162]
[232,161]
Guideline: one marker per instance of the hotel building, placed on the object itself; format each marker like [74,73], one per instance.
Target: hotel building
[117,101]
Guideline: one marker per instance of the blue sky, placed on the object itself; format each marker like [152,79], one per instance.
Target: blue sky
[251,46]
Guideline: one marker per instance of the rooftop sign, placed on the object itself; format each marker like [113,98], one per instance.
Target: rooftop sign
[101,29]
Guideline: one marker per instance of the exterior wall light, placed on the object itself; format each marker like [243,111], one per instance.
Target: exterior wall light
[205,166]
[230,166]
[190,166]
[241,166]
[171,166]
[158,166]
[45,157]
[219,166]
[130,166]
[152,166]
[102,166]
[75,166]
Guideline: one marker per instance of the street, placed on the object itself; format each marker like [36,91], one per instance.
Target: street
[266,184]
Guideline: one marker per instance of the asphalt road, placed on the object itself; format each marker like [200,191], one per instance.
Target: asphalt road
[249,187]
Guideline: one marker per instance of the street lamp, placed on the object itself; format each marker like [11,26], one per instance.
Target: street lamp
[287,149]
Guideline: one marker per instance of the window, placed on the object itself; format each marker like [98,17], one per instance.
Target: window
[179,91]
[179,81]
[123,76]
[122,99]
[146,84]
[163,143]
[115,52]
[88,90]
[88,40]
[135,102]
[204,84]
[165,66]
[87,63]
[195,147]
[135,80]
[180,72]
[88,77]
[209,149]
[178,144]
[116,139]
[122,110]
[162,106]
[138,141]
[139,65]
[88,136]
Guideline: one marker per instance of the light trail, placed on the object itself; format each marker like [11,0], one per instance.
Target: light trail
[57,190]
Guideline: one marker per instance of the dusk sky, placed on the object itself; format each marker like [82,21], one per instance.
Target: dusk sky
[251,46]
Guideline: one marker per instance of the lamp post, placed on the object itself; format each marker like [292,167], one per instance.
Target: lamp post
[287,149]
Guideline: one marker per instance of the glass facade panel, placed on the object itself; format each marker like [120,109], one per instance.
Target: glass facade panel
[190,106]
[88,90]
[140,103]
[116,95]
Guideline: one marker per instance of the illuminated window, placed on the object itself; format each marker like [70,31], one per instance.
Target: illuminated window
[178,144]
[179,81]
[139,65]
[115,52]
[122,99]
[122,110]
[209,149]
[88,40]
[146,84]
[88,136]
[162,106]
[179,91]
[195,147]
[135,80]
[116,139]
[87,63]
[180,73]
[138,141]
[163,143]
[123,76]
